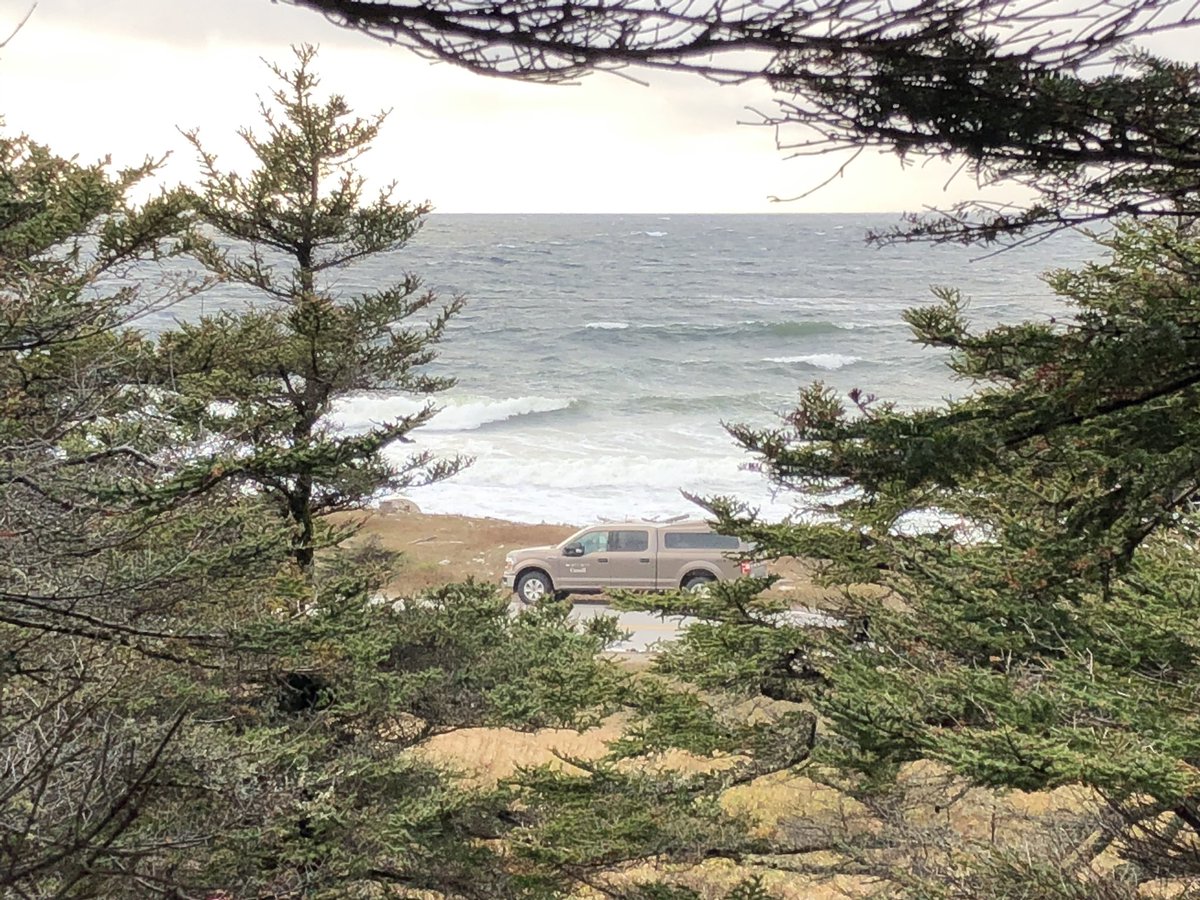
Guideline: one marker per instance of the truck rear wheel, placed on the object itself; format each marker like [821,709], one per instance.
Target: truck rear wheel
[697,584]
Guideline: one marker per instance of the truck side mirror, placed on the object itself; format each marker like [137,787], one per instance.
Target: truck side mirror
[575,549]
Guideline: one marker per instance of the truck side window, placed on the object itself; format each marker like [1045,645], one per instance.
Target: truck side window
[698,540]
[629,541]
[594,542]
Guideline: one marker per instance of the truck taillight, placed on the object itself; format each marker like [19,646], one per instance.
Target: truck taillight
[745,568]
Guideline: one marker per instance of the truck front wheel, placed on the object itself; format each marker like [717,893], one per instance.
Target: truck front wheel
[534,586]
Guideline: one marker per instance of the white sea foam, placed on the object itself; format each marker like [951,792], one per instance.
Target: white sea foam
[608,326]
[650,233]
[581,487]
[820,360]
[357,413]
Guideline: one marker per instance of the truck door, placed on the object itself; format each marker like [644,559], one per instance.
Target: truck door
[589,571]
[631,557]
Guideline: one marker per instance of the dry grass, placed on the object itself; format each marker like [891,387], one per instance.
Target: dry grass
[777,802]
[440,549]
[486,755]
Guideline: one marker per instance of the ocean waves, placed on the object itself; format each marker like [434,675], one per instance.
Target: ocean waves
[598,356]
[579,482]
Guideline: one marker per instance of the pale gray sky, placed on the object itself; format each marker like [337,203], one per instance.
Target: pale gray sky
[119,77]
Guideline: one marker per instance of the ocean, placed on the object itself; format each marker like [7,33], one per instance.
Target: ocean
[599,355]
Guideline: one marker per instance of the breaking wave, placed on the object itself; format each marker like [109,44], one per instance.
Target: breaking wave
[357,414]
[818,360]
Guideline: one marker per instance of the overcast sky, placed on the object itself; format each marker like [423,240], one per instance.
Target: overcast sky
[120,77]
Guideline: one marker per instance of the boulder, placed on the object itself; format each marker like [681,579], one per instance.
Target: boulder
[398,506]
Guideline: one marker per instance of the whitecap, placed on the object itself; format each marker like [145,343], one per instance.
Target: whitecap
[650,233]
[608,326]
[358,413]
[475,413]
[820,360]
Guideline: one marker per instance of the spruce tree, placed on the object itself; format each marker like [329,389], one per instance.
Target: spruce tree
[1039,631]
[99,599]
[180,714]
[260,381]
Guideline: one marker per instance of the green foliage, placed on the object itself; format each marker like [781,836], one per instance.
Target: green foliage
[97,598]
[452,658]
[340,807]
[256,386]
[1045,635]
[1090,143]
[183,710]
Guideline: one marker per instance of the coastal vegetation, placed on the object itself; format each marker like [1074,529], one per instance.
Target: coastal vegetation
[204,692]
[212,687]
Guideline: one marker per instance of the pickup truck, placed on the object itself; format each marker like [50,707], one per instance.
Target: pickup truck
[628,555]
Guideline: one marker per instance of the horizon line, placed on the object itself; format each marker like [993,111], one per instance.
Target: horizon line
[459,212]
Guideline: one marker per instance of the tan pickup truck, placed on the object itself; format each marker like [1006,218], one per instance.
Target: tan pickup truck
[630,555]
